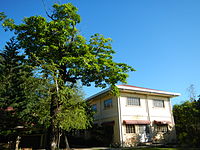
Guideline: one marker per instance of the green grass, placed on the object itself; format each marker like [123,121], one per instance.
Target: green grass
[153,149]
[164,149]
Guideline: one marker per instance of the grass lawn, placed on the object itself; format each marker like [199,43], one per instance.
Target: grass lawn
[164,149]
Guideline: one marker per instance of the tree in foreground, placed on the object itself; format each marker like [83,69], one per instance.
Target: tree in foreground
[12,94]
[187,120]
[57,49]
[18,91]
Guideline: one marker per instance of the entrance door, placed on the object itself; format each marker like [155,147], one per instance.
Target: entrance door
[143,133]
[108,134]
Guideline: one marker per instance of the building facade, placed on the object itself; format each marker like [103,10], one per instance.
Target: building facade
[137,115]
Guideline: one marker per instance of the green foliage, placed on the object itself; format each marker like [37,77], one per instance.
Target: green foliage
[19,90]
[11,94]
[11,68]
[8,23]
[2,16]
[64,57]
[187,122]
[57,43]
[73,110]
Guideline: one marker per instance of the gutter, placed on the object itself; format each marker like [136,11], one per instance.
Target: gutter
[152,92]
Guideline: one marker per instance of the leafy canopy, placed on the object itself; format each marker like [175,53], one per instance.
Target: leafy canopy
[62,55]
[187,119]
[58,45]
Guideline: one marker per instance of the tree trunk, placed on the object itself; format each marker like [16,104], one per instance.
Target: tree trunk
[66,141]
[52,139]
[53,132]
[17,142]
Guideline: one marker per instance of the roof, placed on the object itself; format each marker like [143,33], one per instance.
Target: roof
[147,90]
[137,89]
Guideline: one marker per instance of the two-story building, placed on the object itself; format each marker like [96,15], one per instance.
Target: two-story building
[137,115]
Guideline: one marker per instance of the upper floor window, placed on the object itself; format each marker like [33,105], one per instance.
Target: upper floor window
[107,103]
[133,101]
[158,103]
[94,107]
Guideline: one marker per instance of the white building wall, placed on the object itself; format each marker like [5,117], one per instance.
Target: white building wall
[133,112]
[157,113]
[146,111]
[105,115]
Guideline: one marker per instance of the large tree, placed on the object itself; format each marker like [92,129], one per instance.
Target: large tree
[187,121]
[61,53]
[18,90]
[24,98]
[12,79]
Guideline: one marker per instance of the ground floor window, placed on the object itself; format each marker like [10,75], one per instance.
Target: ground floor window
[130,128]
[161,128]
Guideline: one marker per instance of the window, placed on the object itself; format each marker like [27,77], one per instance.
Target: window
[161,128]
[94,107]
[107,103]
[158,103]
[130,128]
[133,101]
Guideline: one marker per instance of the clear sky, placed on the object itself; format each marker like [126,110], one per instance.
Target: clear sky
[159,38]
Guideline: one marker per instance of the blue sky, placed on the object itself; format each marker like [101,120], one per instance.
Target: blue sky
[159,38]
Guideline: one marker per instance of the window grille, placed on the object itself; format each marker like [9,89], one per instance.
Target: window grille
[130,128]
[158,103]
[133,101]
[161,128]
